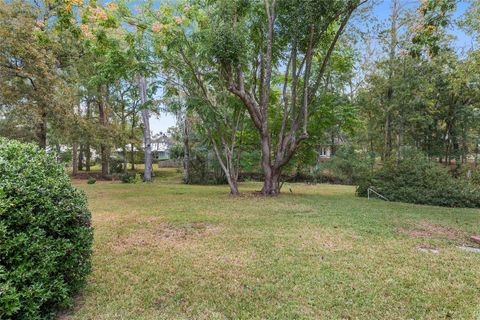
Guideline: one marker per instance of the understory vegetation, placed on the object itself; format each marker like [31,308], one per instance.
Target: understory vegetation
[417,179]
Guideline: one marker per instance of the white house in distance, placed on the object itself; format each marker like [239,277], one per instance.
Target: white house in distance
[327,147]
[160,143]
[324,152]
[161,146]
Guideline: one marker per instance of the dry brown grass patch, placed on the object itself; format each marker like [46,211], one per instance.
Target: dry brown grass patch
[166,234]
[427,229]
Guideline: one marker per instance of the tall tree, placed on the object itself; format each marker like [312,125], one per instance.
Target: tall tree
[147,143]
[34,93]
[253,41]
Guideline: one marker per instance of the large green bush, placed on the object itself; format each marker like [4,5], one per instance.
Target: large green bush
[45,234]
[416,179]
[348,165]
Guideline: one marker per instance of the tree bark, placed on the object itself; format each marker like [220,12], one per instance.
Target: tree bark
[58,148]
[102,117]
[104,152]
[387,149]
[74,159]
[186,151]
[80,157]
[125,161]
[233,184]
[132,155]
[88,156]
[132,137]
[333,146]
[227,166]
[88,153]
[42,131]
[147,175]
[270,184]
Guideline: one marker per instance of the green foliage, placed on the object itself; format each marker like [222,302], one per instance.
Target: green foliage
[227,45]
[131,177]
[116,165]
[34,86]
[435,15]
[91,180]
[205,170]
[349,166]
[416,179]
[475,176]
[45,234]
[250,161]
[471,19]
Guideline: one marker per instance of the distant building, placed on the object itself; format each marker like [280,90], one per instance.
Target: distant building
[324,152]
[161,145]
[327,148]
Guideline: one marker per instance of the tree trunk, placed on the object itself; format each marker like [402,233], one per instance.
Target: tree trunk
[124,143]
[147,175]
[464,147]
[186,159]
[400,138]
[447,154]
[74,159]
[387,152]
[333,146]
[229,170]
[318,149]
[132,155]
[125,161]
[42,131]
[233,184]
[102,117]
[104,159]
[80,158]
[269,185]
[228,166]
[88,156]
[58,148]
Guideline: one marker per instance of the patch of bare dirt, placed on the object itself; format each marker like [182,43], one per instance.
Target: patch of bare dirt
[430,230]
[167,234]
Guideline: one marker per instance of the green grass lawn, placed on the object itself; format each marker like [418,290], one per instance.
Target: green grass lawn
[172,251]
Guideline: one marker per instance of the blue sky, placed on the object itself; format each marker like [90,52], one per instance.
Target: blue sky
[162,122]
[382,12]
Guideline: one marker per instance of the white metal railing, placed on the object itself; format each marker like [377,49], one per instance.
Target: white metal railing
[370,189]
